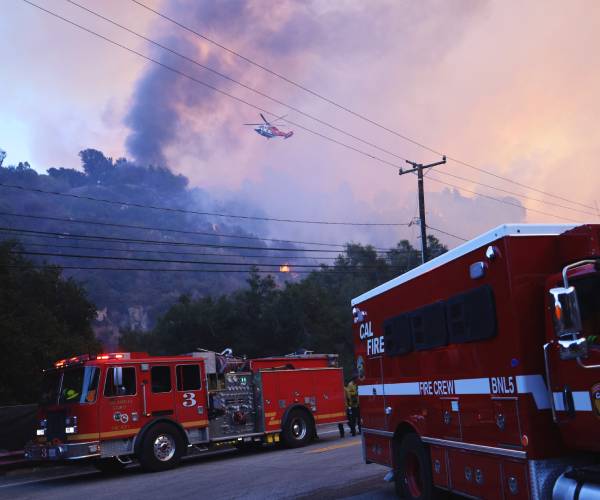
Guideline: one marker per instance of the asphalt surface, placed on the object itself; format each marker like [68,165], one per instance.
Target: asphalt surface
[330,468]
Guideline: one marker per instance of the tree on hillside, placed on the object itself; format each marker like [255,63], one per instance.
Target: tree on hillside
[95,164]
[133,299]
[43,317]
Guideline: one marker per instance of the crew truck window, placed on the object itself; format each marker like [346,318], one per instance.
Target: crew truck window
[127,386]
[161,379]
[471,316]
[428,325]
[397,335]
[188,378]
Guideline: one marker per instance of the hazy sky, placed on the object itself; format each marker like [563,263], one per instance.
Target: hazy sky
[507,86]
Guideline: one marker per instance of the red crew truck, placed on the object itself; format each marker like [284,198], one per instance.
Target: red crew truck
[117,407]
[480,370]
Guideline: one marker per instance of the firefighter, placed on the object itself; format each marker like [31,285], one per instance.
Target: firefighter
[71,394]
[353,409]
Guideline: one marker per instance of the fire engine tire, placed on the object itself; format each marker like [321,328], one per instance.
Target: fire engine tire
[109,466]
[414,478]
[161,448]
[298,429]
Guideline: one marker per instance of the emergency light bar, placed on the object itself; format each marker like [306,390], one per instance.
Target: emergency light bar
[88,357]
[113,355]
[71,361]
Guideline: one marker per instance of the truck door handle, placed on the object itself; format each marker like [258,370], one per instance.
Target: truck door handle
[568,402]
[144,399]
[549,381]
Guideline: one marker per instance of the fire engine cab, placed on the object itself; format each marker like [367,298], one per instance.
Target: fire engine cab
[480,370]
[122,406]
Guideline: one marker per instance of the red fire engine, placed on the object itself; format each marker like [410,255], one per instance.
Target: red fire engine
[480,370]
[123,406]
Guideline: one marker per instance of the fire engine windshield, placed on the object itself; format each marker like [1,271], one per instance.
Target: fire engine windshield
[73,385]
[588,296]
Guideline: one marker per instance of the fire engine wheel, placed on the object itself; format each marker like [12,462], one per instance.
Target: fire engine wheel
[162,448]
[298,429]
[109,465]
[414,478]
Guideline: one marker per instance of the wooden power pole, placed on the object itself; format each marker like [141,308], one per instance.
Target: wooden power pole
[418,168]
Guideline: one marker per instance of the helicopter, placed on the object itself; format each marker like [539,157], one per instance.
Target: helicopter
[269,130]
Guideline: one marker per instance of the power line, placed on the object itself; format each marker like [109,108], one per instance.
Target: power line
[446,233]
[526,186]
[185,75]
[195,212]
[448,174]
[500,200]
[170,252]
[158,242]
[60,236]
[207,85]
[163,270]
[169,230]
[233,80]
[352,112]
[170,261]
[226,94]
[262,94]
[88,237]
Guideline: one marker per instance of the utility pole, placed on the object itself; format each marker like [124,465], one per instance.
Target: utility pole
[418,168]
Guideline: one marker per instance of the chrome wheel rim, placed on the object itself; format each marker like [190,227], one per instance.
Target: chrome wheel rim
[164,447]
[299,428]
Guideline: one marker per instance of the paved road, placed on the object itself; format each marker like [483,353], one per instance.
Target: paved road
[329,468]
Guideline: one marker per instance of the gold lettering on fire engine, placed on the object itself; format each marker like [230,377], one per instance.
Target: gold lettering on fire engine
[437,388]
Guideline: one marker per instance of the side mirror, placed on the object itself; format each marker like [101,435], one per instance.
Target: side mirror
[117,376]
[566,315]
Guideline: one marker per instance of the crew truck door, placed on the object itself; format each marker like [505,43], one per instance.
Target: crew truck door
[575,383]
[190,398]
[372,395]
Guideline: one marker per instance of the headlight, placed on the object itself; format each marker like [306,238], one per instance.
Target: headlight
[70,425]
[41,431]
[70,421]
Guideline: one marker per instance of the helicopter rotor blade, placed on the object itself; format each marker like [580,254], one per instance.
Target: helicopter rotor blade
[253,124]
[263,117]
[279,121]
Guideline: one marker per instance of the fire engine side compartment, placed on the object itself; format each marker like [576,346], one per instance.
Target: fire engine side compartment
[320,391]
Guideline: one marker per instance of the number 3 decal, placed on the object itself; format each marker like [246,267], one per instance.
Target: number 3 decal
[189,399]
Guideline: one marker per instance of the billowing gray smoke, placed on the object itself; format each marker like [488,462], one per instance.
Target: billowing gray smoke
[169,110]
[152,118]
[155,117]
